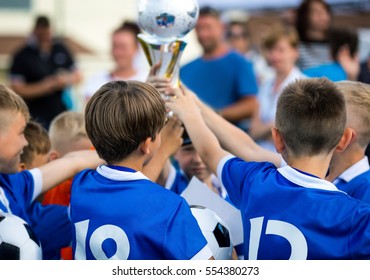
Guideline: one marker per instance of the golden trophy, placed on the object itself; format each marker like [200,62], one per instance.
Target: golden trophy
[165,23]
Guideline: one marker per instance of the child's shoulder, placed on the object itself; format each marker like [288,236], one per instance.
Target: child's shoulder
[245,166]
[21,178]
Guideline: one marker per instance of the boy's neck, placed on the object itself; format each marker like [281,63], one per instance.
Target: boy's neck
[131,162]
[317,165]
[342,161]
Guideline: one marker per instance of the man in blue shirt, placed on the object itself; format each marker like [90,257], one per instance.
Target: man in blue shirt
[223,78]
[290,212]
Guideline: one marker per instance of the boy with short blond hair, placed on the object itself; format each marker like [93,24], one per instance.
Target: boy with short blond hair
[67,133]
[18,191]
[350,170]
[117,201]
[290,212]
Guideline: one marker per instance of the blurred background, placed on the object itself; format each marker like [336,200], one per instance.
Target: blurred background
[86,26]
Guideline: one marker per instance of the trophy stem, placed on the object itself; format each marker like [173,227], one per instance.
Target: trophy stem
[167,55]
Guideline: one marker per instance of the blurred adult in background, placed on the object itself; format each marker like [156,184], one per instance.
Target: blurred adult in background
[282,53]
[221,77]
[313,20]
[41,70]
[239,38]
[124,51]
[364,75]
[345,63]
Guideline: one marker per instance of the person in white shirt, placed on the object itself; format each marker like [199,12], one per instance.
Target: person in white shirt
[282,54]
[124,51]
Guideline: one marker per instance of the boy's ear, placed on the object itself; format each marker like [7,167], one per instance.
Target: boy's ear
[53,155]
[21,166]
[349,136]
[278,140]
[145,146]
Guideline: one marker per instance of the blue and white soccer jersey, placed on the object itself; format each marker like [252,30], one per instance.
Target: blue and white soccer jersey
[120,214]
[17,191]
[288,214]
[355,181]
[177,182]
[52,226]
[50,223]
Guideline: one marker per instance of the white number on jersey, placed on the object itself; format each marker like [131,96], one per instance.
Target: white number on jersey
[291,233]
[97,238]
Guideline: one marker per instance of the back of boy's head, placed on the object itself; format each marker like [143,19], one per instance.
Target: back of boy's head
[38,142]
[121,115]
[66,129]
[10,102]
[311,116]
[357,96]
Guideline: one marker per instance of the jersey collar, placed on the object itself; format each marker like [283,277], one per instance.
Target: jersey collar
[305,180]
[355,170]
[120,175]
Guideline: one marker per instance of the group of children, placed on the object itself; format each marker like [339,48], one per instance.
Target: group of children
[310,200]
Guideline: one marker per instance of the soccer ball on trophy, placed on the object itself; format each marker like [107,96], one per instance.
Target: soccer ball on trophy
[17,240]
[167,20]
[215,231]
[165,23]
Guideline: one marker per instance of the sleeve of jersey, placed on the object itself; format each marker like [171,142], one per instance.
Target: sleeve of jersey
[236,176]
[28,184]
[183,238]
[359,240]
[246,79]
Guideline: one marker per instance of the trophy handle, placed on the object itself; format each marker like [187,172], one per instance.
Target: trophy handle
[167,55]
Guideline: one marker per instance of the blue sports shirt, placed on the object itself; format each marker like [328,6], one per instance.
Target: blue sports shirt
[355,181]
[118,213]
[50,223]
[17,191]
[220,82]
[288,214]
[333,71]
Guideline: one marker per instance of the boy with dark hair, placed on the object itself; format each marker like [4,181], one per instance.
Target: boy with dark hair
[290,212]
[117,212]
[36,153]
[190,164]
[50,223]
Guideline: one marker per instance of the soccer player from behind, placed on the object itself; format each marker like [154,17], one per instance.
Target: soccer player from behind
[50,223]
[350,170]
[291,212]
[117,212]
[19,190]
